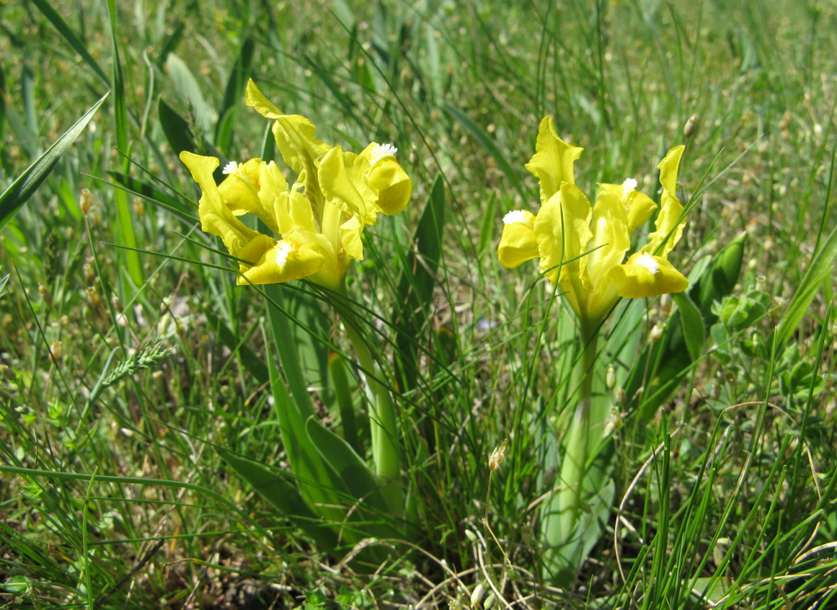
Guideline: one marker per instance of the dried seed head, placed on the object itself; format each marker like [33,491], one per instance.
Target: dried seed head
[86,200]
[497,456]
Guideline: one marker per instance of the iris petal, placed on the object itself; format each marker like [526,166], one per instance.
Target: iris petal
[552,164]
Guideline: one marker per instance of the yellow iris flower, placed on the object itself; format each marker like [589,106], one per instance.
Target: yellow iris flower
[582,247]
[318,221]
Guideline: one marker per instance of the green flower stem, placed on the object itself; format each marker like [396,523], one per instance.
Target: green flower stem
[566,506]
[382,418]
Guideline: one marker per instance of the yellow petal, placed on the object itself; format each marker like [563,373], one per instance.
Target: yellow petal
[300,211]
[215,216]
[351,233]
[562,228]
[272,184]
[668,168]
[241,192]
[646,275]
[281,261]
[640,208]
[552,164]
[518,243]
[393,185]
[610,239]
[342,177]
[256,99]
[669,230]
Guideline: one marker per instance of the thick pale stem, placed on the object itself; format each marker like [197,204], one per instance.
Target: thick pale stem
[382,418]
[566,506]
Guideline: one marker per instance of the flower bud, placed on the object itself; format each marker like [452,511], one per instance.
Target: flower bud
[489,601]
[691,126]
[45,293]
[55,348]
[476,596]
[611,377]
[93,295]
[656,332]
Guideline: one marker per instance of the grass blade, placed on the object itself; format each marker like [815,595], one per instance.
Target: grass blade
[120,115]
[415,290]
[488,143]
[22,189]
[71,37]
[818,272]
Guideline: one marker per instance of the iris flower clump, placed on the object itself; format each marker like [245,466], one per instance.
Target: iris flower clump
[583,251]
[582,247]
[316,225]
[317,221]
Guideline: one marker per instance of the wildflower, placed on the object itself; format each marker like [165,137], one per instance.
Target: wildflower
[318,221]
[582,247]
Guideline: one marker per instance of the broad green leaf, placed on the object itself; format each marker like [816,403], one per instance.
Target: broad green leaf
[22,189]
[488,224]
[418,280]
[304,358]
[225,128]
[234,91]
[187,85]
[488,143]
[176,128]
[320,485]
[820,269]
[343,396]
[694,331]
[171,43]
[283,494]
[356,475]
[719,279]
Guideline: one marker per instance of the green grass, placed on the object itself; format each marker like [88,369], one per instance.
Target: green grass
[128,354]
